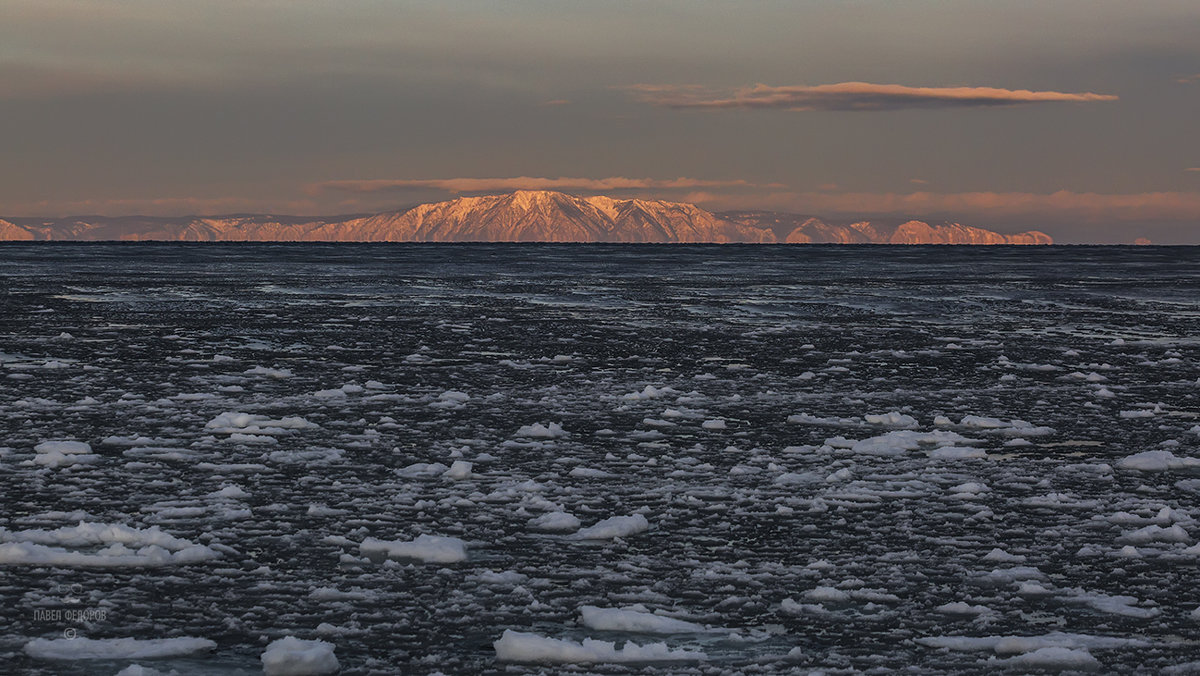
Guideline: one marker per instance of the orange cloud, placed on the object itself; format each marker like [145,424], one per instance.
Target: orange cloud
[850,96]
[457,185]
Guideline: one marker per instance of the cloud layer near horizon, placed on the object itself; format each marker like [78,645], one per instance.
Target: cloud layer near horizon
[851,96]
[1067,216]
[457,185]
[1063,204]
[742,194]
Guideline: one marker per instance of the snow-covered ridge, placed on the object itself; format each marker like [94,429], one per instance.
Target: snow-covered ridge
[521,216]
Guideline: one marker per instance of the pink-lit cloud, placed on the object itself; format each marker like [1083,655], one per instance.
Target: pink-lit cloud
[458,185]
[850,96]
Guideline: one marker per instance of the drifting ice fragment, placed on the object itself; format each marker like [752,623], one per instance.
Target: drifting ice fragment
[291,656]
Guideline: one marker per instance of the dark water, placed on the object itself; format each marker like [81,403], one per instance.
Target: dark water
[817,552]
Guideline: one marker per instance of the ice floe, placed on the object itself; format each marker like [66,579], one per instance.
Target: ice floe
[614,527]
[99,545]
[427,548]
[80,648]
[55,454]
[518,646]
[291,656]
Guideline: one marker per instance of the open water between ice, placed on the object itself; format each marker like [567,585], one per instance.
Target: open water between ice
[603,459]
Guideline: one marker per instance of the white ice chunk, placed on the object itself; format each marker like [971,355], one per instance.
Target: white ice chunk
[451,399]
[982,422]
[236,422]
[1001,556]
[459,469]
[139,670]
[291,656]
[423,469]
[232,491]
[957,453]
[67,447]
[1012,645]
[650,392]
[1119,604]
[540,431]
[55,454]
[120,547]
[1157,461]
[614,527]
[1174,533]
[898,442]
[826,595]
[427,548]
[519,646]
[893,419]
[1055,658]
[635,621]
[265,372]
[962,608]
[114,648]
[555,522]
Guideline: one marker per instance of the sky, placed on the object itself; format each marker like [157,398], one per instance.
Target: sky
[1075,117]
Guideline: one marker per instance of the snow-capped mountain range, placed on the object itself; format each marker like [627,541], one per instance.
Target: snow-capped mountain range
[521,216]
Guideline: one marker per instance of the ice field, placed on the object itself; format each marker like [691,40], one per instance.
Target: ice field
[598,459]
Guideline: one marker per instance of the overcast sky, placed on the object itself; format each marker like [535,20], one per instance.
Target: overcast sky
[1076,117]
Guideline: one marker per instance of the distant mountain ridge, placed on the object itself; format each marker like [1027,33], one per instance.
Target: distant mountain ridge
[797,229]
[521,216]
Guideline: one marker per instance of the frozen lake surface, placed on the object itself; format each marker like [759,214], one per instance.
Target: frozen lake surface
[598,459]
